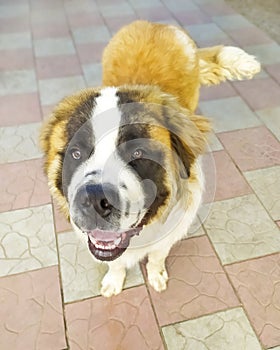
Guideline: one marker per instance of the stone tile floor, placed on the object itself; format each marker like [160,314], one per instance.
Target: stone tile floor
[224,288]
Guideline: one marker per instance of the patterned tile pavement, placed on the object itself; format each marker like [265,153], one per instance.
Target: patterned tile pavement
[224,287]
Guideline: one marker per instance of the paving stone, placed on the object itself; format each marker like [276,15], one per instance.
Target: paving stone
[241,229]
[16,59]
[27,240]
[125,321]
[54,46]
[19,143]
[19,109]
[17,82]
[257,283]
[91,34]
[266,53]
[224,330]
[197,283]
[53,90]
[57,66]
[11,41]
[266,184]
[93,74]
[229,114]
[230,22]
[31,314]
[22,185]
[252,148]
[271,118]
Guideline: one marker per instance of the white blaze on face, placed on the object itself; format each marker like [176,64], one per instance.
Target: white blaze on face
[106,162]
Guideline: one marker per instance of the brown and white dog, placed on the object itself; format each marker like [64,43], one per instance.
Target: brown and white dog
[122,160]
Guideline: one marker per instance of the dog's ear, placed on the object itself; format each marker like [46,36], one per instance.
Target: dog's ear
[184,159]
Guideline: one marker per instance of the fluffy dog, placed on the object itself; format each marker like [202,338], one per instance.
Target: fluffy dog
[122,160]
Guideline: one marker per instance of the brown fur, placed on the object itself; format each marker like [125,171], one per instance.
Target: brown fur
[163,65]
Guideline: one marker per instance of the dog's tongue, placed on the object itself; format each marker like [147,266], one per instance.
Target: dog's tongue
[104,236]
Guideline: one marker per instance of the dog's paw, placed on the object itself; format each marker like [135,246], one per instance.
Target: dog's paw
[237,64]
[112,284]
[157,277]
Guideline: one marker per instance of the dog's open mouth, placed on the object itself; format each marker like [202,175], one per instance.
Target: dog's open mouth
[109,245]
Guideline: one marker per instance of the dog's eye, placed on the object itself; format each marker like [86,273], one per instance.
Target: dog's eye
[137,154]
[76,153]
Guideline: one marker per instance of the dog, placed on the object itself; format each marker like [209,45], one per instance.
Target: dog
[123,159]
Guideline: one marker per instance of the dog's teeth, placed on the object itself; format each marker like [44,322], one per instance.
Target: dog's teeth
[93,240]
[117,241]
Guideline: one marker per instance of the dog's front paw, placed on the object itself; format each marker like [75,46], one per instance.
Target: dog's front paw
[112,283]
[157,277]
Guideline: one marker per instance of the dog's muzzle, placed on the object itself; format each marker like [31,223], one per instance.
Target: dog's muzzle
[98,208]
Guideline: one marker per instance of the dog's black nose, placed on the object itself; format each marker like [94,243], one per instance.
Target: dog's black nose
[101,198]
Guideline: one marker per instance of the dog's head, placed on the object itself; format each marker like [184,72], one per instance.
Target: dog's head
[116,159]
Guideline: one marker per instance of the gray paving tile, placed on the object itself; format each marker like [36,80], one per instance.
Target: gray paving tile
[231,22]
[241,229]
[229,114]
[27,240]
[205,32]
[266,184]
[53,90]
[181,5]
[266,53]
[53,47]
[145,3]
[271,118]
[18,143]
[93,74]
[13,41]
[81,274]
[118,9]
[17,82]
[91,35]
[214,143]
[11,10]
[229,330]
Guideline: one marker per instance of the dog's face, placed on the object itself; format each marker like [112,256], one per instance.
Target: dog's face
[116,159]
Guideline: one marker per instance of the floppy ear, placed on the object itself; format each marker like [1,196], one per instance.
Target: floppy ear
[184,161]
[188,135]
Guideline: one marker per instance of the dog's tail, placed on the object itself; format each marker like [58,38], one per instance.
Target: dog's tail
[220,63]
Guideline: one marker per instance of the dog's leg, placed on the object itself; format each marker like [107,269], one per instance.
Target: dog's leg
[112,282]
[220,63]
[157,274]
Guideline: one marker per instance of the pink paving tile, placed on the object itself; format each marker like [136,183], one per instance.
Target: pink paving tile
[217,9]
[252,148]
[19,109]
[259,93]
[90,53]
[249,36]
[192,17]
[154,13]
[274,71]
[278,223]
[229,182]
[197,283]
[31,315]
[216,91]
[23,185]
[16,59]
[122,322]
[257,283]
[45,30]
[14,25]
[57,66]
[60,222]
